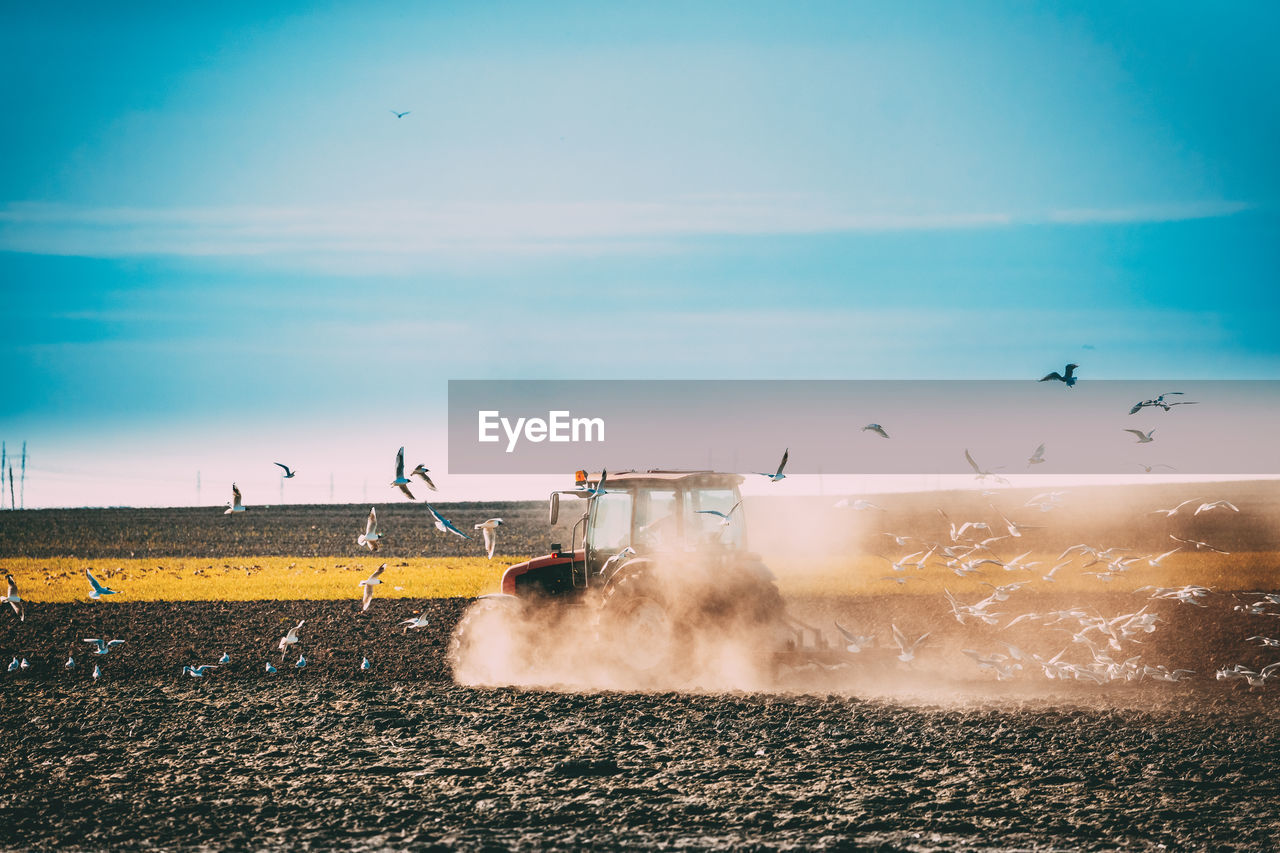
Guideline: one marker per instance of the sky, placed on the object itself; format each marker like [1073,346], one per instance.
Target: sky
[219,247]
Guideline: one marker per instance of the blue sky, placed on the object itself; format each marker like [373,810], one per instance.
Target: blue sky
[217,244]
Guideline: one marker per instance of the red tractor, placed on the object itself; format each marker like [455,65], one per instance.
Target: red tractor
[656,583]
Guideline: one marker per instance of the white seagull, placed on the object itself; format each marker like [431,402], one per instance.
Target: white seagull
[365,665]
[908,649]
[725,517]
[1148,468]
[1143,437]
[1067,375]
[877,429]
[981,474]
[1205,507]
[777,475]
[401,481]
[300,662]
[236,505]
[490,530]
[15,600]
[197,671]
[444,525]
[97,673]
[1198,545]
[290,638]
[98,589]
[370,536]
[369,583]
[70,664]
[288,473]
[225,659]
[854,643]
[103,646]
[419,621]
[420,471]
[1037,457]
[1169,513]
[271,670]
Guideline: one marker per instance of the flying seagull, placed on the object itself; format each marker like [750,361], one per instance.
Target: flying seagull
[198,671]
[98,589]
[1205,507]
[399,114]
[778,475]
[370,537]
[103,646]
[599,487]
[288,473]
[981,474]
[15,600]
[908,649]
[444,525]
[1148,468]
[1168,513]
[369,583]
[401,481]
[419,621]
[1143,437]
[490,530]
[1067,375]
[290,638]
[854,643]
[876,428]
[1197,544]
[1162,403]
[236,505]
[421,470]
[1037,457]
[725,517]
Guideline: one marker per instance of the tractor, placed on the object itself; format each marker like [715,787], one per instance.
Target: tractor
[656,584]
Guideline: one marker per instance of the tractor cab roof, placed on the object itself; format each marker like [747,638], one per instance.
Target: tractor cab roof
[657,476]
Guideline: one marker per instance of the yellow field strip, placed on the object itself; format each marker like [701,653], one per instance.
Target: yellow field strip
[253,578]
[267,578]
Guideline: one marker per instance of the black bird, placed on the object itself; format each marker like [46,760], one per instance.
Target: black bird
[1068,375]
[400,115]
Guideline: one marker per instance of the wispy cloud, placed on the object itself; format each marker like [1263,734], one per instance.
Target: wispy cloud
[517,227]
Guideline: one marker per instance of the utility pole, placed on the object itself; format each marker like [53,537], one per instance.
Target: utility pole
[3,462]
[22,504]
[197,488]
[12,502]
[330,487]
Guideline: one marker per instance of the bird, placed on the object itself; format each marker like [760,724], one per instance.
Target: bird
[97,673]
[225,659]
[596,491]
[444,525]
[1205,507]
[908,649]
[857,504]
[98,589]
[288,473]
[236,505]
[421,470]
[103,646]
[777,475]
[13,665]
[1067,375]
[365,665]
[981,474]
[15,600]
[1169,513]
[370,536]
[292,637]
[725,517]
[369,583]
[401,481]
[1148,468]
[271,670]
[197,671]
[1198,545]
[1143,437]
[399,114]
[1037,457]
[70,664]
[876,428]
[1162,403]
[300,662]
[854,643]
[490,530]
[419,621]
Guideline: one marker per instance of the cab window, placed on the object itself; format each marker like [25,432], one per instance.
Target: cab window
[611,522]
